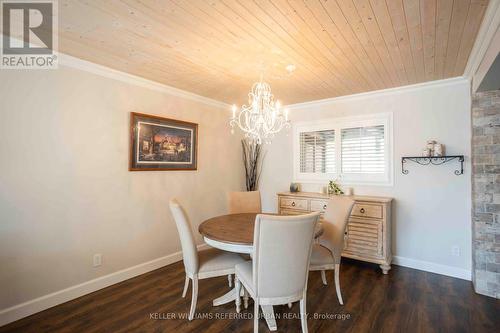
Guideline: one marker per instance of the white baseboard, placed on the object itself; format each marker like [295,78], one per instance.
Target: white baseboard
[42,303]
[28,308]
[427,266]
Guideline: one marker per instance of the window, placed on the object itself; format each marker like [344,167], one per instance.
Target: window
[363,150]
[317,152]
[354,150]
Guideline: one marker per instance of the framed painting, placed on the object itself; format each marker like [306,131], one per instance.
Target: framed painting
[158,143]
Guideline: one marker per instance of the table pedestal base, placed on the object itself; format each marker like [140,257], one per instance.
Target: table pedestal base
[267,310]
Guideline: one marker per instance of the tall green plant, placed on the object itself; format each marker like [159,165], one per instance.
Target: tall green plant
[252,160]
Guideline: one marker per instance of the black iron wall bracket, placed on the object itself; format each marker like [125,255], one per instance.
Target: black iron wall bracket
[433,160]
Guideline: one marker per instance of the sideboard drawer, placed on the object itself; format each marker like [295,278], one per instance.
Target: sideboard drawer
[292,212]
[367,210]
[294,203]
[318,205]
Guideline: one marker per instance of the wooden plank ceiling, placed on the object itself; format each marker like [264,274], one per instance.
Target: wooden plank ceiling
[218,49]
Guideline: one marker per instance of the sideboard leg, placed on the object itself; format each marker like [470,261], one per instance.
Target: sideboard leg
[385,268]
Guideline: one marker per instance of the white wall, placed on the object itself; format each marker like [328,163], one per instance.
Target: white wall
[65,189]
[432,205]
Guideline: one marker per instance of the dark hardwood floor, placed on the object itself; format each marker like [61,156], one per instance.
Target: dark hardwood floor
[406,300]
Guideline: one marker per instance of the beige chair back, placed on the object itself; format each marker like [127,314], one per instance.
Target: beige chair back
[244,202]
[282,249]
[189,251]
[334,223]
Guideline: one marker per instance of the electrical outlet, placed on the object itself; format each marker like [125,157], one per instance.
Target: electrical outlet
[455,251]
[97,259]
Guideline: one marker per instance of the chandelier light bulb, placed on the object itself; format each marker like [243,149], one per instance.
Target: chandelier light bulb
[234,111]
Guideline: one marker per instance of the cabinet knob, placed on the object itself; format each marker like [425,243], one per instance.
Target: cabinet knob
[324,206]
[362,210]
[293,203]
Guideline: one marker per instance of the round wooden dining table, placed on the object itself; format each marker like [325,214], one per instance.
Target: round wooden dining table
[234,233]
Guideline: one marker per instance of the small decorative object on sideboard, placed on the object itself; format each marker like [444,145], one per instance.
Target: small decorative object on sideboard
[334,188]
[294,187]
[348,191]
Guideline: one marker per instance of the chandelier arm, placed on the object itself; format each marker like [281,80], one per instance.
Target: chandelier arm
[262,118]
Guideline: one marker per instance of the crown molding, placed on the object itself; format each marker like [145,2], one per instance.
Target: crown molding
[104,71]
[382,92]
[90,67]
[489,26]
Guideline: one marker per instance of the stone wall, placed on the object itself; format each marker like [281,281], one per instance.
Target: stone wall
[486,192]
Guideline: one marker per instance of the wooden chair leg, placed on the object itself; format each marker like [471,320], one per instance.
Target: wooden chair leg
[237,286]
[194,297]
[303,314]
[337,283]
[245,298]
[230,280]
[186,286]
[256,315]
[323,277]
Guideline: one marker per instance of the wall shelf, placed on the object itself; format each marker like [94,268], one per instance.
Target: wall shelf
[438,160]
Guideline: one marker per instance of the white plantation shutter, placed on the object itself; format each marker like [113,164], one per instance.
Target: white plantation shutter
[363,150]
[317,151]
[354,150]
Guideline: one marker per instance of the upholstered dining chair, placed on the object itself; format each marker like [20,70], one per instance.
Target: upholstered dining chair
[203,264]
[327,254]
[244,202]
[279,269]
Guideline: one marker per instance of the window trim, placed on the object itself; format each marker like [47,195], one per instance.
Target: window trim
[337,124]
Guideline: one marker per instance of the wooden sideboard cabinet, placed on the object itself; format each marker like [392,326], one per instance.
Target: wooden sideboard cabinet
[368,233]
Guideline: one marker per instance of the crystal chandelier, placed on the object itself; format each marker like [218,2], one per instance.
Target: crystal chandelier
[263,117]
